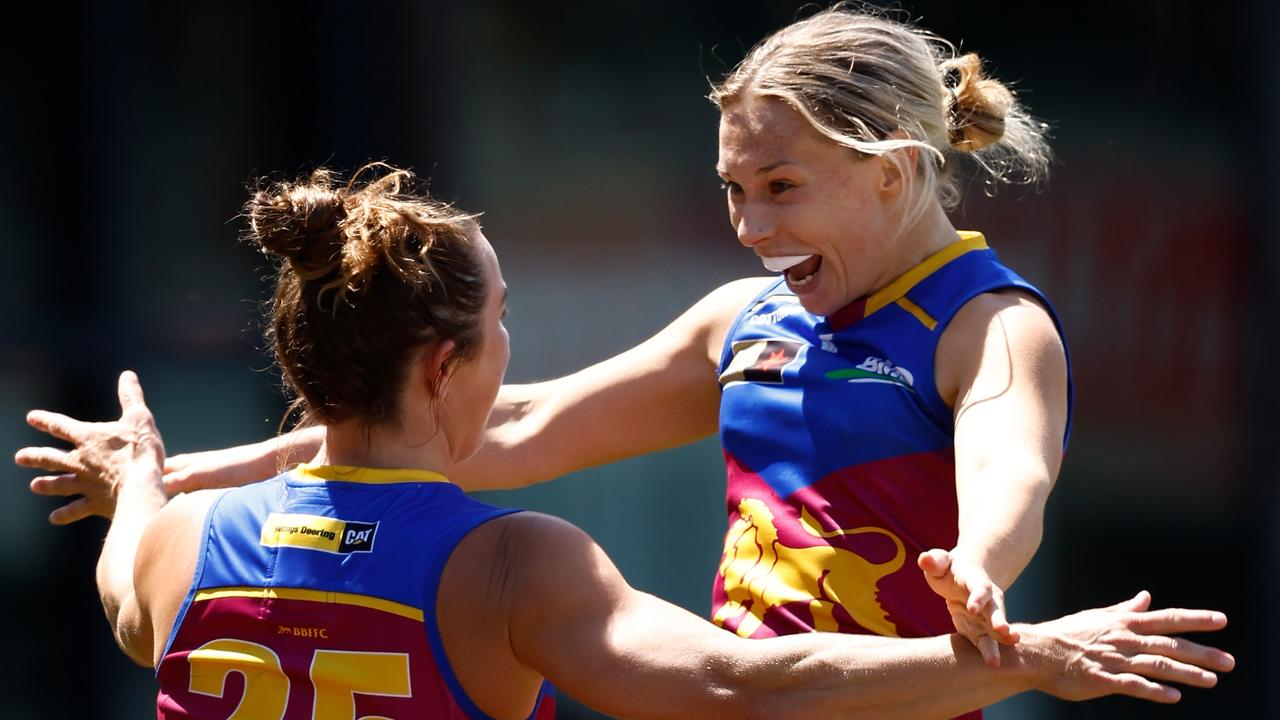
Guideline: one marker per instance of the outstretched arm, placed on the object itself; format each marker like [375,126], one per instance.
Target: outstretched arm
[628,653]
[117,467]
[1002,366]
[660,394]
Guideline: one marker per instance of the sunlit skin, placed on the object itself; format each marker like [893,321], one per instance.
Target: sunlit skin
[792,191]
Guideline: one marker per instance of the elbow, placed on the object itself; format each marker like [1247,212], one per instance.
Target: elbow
[743,690]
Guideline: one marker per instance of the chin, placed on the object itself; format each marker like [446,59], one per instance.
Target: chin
[819,306]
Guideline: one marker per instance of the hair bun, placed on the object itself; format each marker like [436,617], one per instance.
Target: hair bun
[979,105]
[300,222]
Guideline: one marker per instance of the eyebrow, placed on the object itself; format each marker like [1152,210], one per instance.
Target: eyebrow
[762,169]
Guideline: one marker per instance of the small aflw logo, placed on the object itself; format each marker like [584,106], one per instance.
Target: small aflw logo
[875,370]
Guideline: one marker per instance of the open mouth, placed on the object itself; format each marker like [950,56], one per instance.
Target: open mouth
[802,273]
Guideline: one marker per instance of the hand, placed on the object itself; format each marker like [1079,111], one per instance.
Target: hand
[1126,649]
[106,456]
[975,602]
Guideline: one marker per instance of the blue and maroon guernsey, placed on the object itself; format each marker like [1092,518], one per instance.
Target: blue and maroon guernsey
[839,454]
[314,597]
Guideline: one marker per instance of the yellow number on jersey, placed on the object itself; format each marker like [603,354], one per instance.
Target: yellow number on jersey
[336,675]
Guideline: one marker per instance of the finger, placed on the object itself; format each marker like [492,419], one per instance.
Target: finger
[47,458]
[1137,686]
[1000,623]
[58,425]
[57,485]
[979,599]
[967,626]
[935,562]
[1158,667]
[1137,603]
[1173,621]
[73,511]
[1180,649]
[990,650]
[129,389]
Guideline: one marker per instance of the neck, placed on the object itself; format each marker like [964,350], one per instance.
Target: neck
[932,232]
[384,446]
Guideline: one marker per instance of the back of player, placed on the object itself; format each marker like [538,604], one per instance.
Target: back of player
[314,597]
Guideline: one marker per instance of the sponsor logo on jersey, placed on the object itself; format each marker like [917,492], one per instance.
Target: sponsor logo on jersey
[761,361]
[875,370]
[316,532]
[789,306]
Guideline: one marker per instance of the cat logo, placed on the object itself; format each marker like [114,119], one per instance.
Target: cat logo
[316,532]
[358,537]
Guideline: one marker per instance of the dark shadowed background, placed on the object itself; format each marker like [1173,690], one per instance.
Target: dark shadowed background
[581,130]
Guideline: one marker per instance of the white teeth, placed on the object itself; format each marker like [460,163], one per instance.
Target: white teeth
[780,263]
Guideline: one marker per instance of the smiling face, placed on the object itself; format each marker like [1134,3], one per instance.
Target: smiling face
[807,206]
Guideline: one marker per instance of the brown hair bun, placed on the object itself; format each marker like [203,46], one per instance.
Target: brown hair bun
[301,222]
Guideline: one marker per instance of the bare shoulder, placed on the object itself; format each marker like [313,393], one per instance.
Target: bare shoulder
[728,299]
[166,559]
[181,515]
[716,311]
[1007,327]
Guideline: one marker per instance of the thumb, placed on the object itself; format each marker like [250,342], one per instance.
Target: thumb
[1137,603]
[935,562]
[130,391]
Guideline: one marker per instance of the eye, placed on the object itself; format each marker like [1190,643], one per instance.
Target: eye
[505,310]
[731,186]
[778,187]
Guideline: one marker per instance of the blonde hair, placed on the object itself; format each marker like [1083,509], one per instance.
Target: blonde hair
[876,85]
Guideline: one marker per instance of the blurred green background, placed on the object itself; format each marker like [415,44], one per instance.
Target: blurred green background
[581,130]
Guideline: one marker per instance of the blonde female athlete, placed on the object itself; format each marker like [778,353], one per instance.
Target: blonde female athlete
[894,391]
[365,584]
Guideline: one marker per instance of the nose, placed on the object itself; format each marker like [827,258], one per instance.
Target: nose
[754,224]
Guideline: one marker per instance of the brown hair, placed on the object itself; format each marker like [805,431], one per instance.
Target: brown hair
[858,77]
[372,271]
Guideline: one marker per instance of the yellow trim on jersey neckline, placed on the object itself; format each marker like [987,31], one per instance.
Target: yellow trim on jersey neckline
[925,318]
[322,596]
[968,242]
[371,476]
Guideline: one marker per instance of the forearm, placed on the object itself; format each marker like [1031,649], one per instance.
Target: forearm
[1002,519]
[601,414]
[137,503]
[674,665]
[820,675]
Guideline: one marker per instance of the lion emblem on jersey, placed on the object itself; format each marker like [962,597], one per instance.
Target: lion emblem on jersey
[760,573]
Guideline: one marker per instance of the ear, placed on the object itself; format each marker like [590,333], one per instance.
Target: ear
[894,166]
[434,359]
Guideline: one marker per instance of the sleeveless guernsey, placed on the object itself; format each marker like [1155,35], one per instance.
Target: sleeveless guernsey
[314,597]
[839,454]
